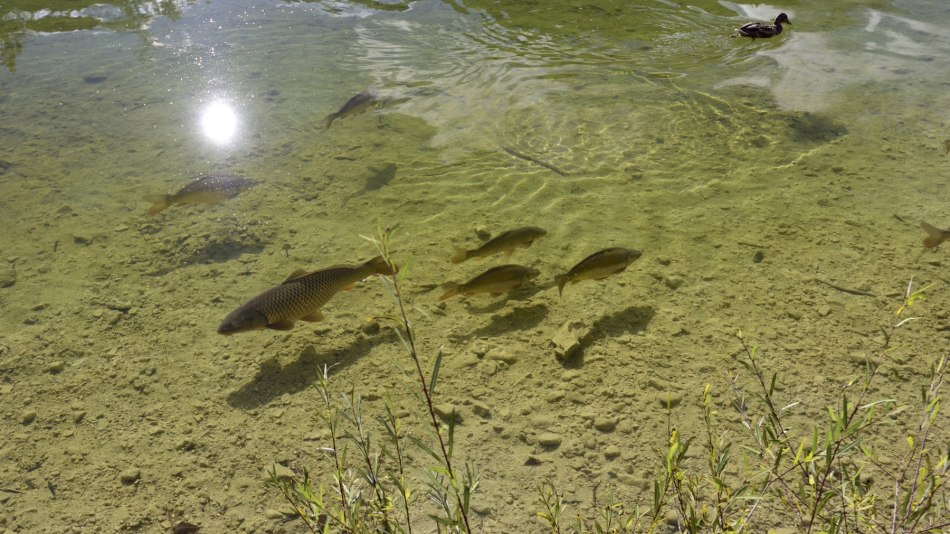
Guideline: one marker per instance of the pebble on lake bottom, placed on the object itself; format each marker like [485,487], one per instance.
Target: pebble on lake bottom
[549,440]
[130,475]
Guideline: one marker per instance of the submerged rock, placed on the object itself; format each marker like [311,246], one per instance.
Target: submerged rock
[130,475]
[549,440]
[569,338]
[447,412]
[7,276]
[605,424]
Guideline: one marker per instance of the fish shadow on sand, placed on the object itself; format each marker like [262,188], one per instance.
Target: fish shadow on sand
[628,321]
[219,252]
[516,319]
[274,380]
[811,127]
[379,179]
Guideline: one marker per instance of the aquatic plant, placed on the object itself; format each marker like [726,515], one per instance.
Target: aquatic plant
[818,479]
[366,494]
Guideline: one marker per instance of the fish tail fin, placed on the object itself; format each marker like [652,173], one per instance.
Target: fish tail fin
[159,203]
[560,280]
[379,265]
[460,255]
[935,235]
[451,289]
[329,120]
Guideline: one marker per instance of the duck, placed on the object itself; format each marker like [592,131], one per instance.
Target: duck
[758,29]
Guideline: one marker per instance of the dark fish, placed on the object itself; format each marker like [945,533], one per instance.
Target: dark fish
[358,103]
[946,145]
[299,297]
[598,266]
[205,189]
[935,235]
[497,280]
[762,30]
[504,242]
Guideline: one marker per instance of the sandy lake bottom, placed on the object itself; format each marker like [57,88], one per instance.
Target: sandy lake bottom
[769,195]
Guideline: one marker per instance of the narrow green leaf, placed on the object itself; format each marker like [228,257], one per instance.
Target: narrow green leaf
[435,372]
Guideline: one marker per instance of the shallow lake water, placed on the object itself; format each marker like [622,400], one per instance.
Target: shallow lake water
[774,186]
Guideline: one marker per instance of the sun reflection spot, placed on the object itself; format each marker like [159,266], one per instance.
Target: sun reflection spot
[219,122]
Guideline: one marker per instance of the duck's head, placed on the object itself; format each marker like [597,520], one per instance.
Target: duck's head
[782,18]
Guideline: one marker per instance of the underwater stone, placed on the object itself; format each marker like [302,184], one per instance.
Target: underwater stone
[501,355]
[7,276]
[283,473]
[28,416]
[568,339]
[370,327]
[612,452]
[542,421]
[570,375]
[674,281]
[447,412]
[669,399]
[130,475]
[605,424]
[481,409]
[549,439]
[470,360]
[56,367]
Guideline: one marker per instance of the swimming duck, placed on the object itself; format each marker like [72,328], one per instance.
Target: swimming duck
[758,29]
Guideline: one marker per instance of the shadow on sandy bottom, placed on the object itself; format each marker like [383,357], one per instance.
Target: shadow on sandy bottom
[274,380]
[516,319]
[629,321]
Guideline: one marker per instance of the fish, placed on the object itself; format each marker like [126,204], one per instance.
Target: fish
[598,266]
[299,297]
[205,189]
[497,280]
[358,103]
[505,242]
[935,235]
[946,144]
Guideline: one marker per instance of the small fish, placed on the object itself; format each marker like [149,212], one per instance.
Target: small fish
[299,297]
[497,280]
[935,235]
[504,242]
[598,266]
[358,103]
[946,145]
[205,189]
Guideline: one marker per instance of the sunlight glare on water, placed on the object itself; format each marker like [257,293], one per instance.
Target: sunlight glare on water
[219,122]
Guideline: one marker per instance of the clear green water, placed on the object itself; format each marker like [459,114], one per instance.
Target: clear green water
[607,124]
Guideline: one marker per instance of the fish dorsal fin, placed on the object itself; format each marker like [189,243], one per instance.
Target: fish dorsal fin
[295,275]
